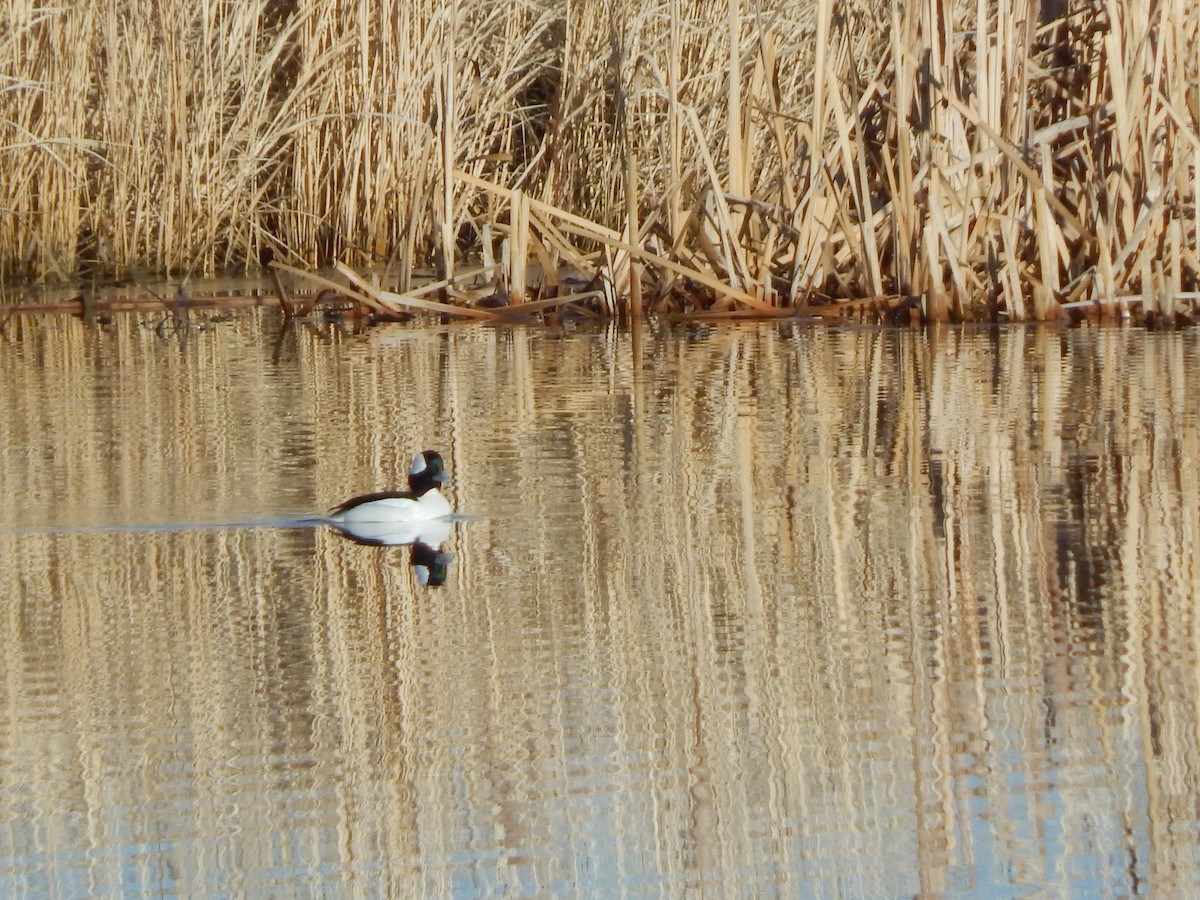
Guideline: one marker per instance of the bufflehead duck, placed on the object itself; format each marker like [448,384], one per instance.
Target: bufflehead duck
[421,503]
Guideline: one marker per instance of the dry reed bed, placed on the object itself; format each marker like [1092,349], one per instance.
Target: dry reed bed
[926,159]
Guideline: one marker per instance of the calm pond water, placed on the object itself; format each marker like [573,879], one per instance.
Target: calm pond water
[756,611]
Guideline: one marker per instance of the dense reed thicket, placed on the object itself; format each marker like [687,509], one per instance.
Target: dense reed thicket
[1000,157]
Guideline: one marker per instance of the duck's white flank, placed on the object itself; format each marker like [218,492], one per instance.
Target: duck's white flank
[400,508]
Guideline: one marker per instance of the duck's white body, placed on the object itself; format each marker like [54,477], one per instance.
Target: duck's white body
[397,508]
[429,532]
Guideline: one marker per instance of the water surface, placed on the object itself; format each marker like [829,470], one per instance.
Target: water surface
[757,611]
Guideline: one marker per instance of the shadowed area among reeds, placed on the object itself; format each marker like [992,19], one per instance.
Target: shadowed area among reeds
[923,160]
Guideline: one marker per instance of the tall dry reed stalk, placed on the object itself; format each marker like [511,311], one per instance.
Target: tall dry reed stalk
[996,157]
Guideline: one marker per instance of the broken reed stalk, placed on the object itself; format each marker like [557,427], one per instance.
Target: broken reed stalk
[993,157]
[634,274]
[518,246]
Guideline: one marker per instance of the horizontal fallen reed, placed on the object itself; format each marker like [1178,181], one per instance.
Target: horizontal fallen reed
[924,160]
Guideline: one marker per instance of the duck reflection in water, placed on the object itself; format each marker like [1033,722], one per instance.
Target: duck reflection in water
[420,518]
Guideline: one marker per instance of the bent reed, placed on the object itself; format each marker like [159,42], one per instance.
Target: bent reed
[923,159]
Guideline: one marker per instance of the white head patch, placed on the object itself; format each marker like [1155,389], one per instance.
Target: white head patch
[418,465]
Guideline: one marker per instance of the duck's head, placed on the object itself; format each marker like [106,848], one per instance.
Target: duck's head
[426,472]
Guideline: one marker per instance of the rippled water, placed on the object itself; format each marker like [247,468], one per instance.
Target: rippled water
[758,611]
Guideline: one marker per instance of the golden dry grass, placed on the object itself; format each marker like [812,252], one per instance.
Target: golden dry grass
[949,159]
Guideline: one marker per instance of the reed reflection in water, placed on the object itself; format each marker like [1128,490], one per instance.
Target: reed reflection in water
[752,611]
